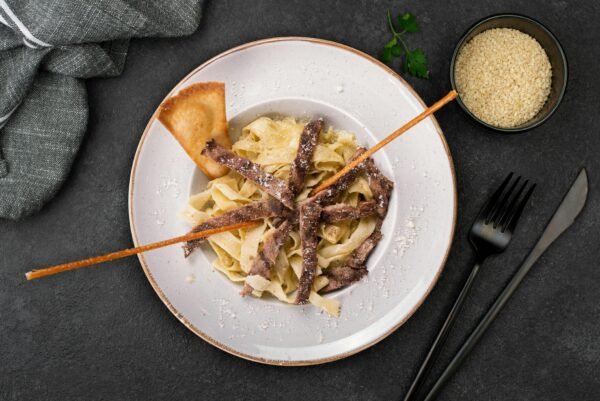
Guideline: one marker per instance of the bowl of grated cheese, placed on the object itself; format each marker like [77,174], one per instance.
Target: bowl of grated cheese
[510,73]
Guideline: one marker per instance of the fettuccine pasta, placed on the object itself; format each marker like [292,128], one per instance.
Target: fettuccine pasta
[273,143]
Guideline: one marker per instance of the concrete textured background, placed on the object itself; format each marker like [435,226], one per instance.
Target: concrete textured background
[102,333]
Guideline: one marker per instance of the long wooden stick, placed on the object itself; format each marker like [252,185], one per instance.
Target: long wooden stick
[201,234]
[133,251]
[432,109]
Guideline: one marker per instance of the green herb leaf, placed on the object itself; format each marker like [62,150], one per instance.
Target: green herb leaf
[386,56]
[416,64]
[391,43]
[408,22]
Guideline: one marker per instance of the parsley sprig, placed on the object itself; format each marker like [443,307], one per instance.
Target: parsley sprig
[415,61]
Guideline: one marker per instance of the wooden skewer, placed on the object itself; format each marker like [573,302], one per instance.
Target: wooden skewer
[206,233]
[133,251]
[432,109]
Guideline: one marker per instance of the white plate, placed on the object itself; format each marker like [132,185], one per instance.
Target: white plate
[352,91]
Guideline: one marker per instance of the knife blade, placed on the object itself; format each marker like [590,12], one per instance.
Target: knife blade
[565,215]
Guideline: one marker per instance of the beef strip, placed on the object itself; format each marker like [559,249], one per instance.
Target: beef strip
[309,222]
[338,212]
[354,268]
[252,211]
[261,265]
[266,181]
[342,276]
[381,187]
[359,256]
[309,216]
[306,149]
[341,211]
[329,194]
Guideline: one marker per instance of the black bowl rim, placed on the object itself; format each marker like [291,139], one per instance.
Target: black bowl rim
[550,112]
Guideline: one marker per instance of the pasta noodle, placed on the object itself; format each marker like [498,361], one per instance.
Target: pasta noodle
[273,143]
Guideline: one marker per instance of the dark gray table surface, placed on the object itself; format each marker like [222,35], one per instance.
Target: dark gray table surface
[103,334]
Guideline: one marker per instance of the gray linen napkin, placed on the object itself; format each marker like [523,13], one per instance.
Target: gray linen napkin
[46,49]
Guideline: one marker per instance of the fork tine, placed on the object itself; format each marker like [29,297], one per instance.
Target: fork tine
[485,212]
[512,221]
[503,204]
[508,211]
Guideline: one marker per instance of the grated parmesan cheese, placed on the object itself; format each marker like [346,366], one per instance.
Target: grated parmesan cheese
[503,77]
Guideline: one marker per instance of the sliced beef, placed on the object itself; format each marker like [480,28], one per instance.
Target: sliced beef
[381,187]
[261,265]
[359,256]
[341,211]
[266,181]
[329,194]
[342,276]
[306,150]
[309,214]
[354,268]
[252,211]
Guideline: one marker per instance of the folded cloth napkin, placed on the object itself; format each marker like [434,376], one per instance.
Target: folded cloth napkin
[46,49]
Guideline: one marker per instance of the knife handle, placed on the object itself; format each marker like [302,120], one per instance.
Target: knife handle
[485,322]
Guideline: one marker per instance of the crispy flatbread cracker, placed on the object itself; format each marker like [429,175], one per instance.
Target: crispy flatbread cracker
[194,116]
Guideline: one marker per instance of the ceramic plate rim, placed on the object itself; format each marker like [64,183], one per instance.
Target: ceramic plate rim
[180,316]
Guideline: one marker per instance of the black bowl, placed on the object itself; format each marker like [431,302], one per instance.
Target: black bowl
[549,43]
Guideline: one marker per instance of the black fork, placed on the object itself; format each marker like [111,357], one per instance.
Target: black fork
[490,234]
